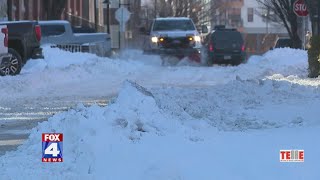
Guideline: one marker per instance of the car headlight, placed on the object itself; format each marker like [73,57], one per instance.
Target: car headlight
[154,39]
[197,38]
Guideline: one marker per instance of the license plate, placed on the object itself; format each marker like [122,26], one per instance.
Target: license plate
[176,42]
[227,57]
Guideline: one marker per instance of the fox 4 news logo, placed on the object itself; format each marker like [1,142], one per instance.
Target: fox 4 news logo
[52,147]
[291,155]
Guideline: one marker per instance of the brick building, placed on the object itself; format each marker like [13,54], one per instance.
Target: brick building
[78,12]
[33,9]
[82,13]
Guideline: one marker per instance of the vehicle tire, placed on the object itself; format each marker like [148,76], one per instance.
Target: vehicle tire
[12,65]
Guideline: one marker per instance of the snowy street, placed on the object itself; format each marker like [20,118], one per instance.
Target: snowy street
[19,117]
[128,117]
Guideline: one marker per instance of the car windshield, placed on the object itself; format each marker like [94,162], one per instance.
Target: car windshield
[227,36]
[169,25]
[227,39]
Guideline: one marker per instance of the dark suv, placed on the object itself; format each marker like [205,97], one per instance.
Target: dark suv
[224,46]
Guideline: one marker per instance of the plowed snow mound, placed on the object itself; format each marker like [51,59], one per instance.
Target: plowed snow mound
[173,133]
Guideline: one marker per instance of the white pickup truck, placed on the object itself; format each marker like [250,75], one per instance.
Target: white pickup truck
[59,33]
[10,60]
[175,36]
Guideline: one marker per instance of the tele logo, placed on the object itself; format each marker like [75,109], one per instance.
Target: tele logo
[291,155]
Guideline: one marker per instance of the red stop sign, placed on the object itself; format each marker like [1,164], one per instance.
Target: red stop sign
[300,8]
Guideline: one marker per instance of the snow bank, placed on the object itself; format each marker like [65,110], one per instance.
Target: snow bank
[61,71]
[92,136]
[287,57]
[285,61]
[165,134]
[59,59]
[245,104]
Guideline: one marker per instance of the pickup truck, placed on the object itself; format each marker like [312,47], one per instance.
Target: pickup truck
[174,36]
[10,60]
[24,38]
[59,34]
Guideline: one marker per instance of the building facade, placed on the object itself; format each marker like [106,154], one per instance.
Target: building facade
[255,20]
[84,13]
[260,33]
[225,12]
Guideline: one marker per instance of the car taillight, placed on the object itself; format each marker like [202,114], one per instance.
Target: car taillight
[211,47]
[243,48]
[5,40]
[37,29]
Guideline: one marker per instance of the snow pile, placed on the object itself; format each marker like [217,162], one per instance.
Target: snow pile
[55,58]
[281,60]
[287,57]
[244,104]
[166,135]
[60,72]
[296,79]
[92,136]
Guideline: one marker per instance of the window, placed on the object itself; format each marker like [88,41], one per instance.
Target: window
[250,14]
[52,30]
[169,25]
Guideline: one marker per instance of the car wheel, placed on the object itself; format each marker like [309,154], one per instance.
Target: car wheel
[11,65]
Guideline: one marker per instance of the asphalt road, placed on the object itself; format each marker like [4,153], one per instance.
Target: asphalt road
[18,117]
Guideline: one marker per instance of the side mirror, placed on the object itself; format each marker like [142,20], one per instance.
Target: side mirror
[204,29]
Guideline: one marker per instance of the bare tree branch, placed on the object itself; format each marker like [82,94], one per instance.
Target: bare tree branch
[283,9]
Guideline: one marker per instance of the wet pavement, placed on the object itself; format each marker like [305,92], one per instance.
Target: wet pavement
[19,117]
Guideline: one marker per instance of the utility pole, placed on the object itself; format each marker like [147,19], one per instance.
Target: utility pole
[318,21]
[108,18]
[95,15]
[9,10]
[155,8]
[267,20]
[107,2]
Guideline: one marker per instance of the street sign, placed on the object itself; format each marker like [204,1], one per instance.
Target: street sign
[300,8]
[122,16]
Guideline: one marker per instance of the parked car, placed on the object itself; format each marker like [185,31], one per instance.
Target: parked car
[176,36]
[283,42]
[224,46]
[24,38]
[59,33]
[10,60]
